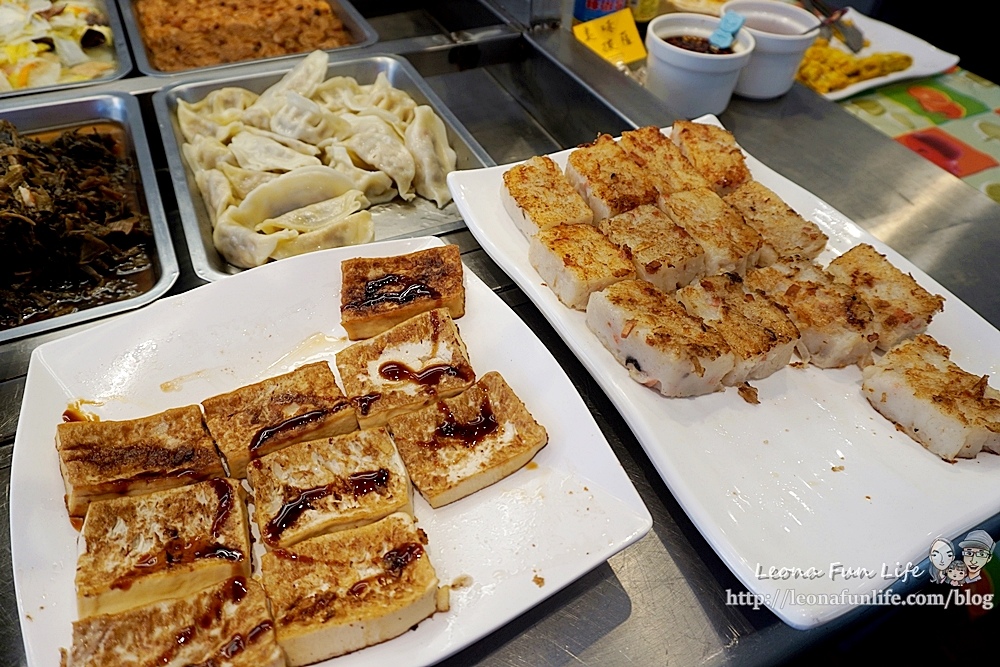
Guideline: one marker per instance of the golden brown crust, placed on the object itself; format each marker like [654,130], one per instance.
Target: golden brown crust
[541,190]
[402,369]
[787,232]
[357,578]
[661,160]
[586,253]
[161,545]
[612,177]
[713,152]
[465,443]
[326,485]
[380,292]
[729,242]
[105,459]
[227,623]
[260,418]
[651,239]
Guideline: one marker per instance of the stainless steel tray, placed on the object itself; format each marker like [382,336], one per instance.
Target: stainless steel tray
[364,35]
[123,59]
[54,112]
[396,219]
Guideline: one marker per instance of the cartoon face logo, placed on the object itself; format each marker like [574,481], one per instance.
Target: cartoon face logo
[956,573]
[977,550]
[942,555]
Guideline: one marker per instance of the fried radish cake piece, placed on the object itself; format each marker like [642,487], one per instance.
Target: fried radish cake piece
[662,252]
[607,179]
[402,369]
[227,624]
[380,292]
[758,332]
[730,244]
[661,345]
[902,308]
[713,152]
[949,411]
[785,232]
[143,549]
[577,260]
[537,195]
[836,324]
[322,486]
[341,592]
[662,161]
[263,417]
[466,443]
[107,459]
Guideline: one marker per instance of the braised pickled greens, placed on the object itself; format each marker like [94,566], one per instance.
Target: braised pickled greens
[72,234]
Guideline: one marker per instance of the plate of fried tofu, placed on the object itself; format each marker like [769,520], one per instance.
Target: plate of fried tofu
[229,477]
[819,406]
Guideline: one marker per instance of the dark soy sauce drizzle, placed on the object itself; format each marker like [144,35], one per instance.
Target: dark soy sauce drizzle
[374,294]
[269,432]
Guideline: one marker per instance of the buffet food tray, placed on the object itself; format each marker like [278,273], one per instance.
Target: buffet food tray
[32,116]
[123,59]
[396,219]
[362,32]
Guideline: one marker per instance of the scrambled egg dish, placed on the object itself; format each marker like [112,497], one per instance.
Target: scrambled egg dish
[826,68]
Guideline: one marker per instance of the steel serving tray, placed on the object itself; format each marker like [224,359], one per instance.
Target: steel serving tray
[123,59]
[362,32]
[393,220]
[67,110]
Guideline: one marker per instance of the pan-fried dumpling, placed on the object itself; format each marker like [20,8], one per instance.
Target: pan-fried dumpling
[427,141]
[215,191]
[376,185]
[303,119]
[353,230]
[207,153]
[314,216]
[245,181]
[259,153]
[377,144]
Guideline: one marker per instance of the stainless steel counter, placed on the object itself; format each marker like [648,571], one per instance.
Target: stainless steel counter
[661,601]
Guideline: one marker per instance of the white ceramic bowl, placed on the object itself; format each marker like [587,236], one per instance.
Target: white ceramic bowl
[690,83]
[777,28]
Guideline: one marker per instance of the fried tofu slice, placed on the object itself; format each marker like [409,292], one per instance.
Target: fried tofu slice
[662,252]
[835,322]
[537,195]
[951,412]
[143,549]
[377,293]
[263,417]
[107,459]
[661,160]
[713,152]
[902,308]
[577,260]
[226,624]
[758,332]
[341,592]
[661,345]
[412,364]
[466,443]
[607,179]
[322,486]
[785,232]
[731,245]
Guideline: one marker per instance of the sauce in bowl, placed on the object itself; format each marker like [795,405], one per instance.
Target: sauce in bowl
[697,44]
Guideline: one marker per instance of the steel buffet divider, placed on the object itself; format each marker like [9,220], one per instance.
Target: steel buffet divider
[522,91]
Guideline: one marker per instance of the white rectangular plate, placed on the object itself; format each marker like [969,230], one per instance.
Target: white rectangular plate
[519,541]
[882,38]
[759,480]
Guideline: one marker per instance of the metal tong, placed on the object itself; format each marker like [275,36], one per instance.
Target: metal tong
[853,37]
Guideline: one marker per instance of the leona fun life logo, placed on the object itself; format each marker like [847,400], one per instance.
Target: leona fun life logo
[964,565]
